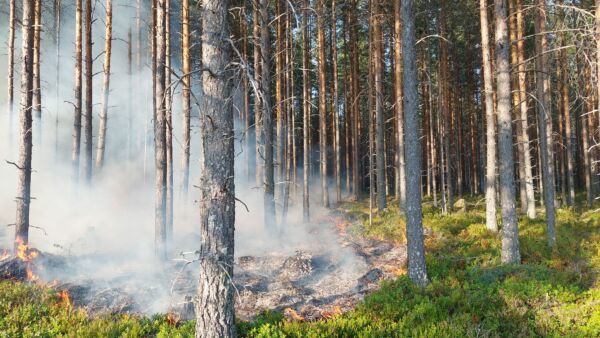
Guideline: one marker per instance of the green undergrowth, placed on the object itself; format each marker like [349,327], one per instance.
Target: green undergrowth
[554,292]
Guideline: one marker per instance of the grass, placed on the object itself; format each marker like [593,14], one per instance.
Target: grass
[554,292]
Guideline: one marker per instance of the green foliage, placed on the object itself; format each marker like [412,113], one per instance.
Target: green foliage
[554,292]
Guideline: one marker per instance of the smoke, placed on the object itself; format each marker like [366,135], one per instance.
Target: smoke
[110,225]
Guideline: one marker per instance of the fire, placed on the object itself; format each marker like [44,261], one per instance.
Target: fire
[65,299]
[27,255]
[173,318]
[333,312]
[292,315]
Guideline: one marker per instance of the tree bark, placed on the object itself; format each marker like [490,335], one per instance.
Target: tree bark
[490,177]
[88,112]
[335,104]
[105,86]
[306,110]
[523,99]
[37,90]
[57,45]
[25,123]
[322,102]
[414,213]
[267,118]
[545,120]
[160,146]
[401,175]
[185,94]
[259,144]
[76,142]
[215,316]
[380,130]
[11,63]
[510,231]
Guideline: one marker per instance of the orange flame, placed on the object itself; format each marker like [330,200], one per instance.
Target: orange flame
[27,255]
[173,318]
[65,299]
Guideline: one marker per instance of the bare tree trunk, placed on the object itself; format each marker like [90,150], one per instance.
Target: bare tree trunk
[37,90]
[279,99]
[57,45]
[215,316]
[545,120]
[11,65]
[259,144]
[322,101]
[169,121]
[25,121]
[510,231]
[335,104]
[401,176]
[185,93]
[380,130]
[160,146]
[306,100]
[105,86]
[76,143]
[417,270]
[88,113]
[354,70]
[490,177]
[522,80]
[267,118]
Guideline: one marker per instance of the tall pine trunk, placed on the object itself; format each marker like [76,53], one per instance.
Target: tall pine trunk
[105,86]
[510,231]
[417,270]
[25,123]
[11,64]
[215,316]
[401,172]
[88,112]
[490,177]
[545,120]
[160,146]
[76,142]
[185,95]
[322,101]
[379,123]
[306,110]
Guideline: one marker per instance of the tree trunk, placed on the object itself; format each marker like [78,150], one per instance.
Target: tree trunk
[57,45]
[490,177]
[379,124]
[215,307]
[545,120]
[76,143]
[267,118]
[279,99]
[160,146]
[510,231]
[414,213]
[335,104]
[322,101]
[105,86]
[25,121]
[37,90]
[355,104]
[169,121]
[185,93]
[88,113]
[401,176]
[522,80]
[306,111]
[259,144]
[11,64]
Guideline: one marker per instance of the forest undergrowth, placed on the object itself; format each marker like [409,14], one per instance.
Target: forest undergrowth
[554,292]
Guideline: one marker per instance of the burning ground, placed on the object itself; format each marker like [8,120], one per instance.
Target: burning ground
[307,280]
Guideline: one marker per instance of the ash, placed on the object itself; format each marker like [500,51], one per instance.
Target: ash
[305,282]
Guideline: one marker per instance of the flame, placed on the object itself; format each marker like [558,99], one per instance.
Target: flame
[291,314]
[65,299]
[334,312]
[173,318]
[27,255]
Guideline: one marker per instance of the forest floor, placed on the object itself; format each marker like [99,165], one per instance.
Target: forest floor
[554,292]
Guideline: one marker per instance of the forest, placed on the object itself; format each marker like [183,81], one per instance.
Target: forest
[299,168]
